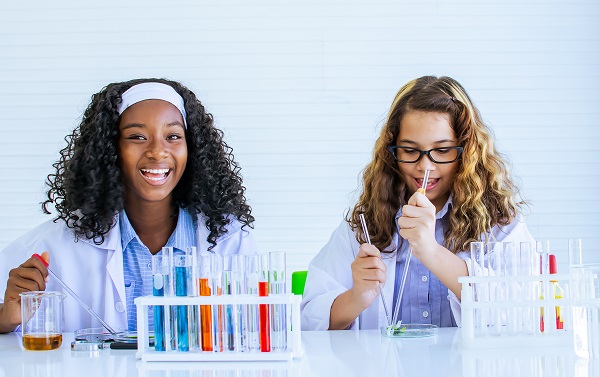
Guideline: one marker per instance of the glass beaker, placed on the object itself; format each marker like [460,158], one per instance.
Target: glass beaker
[41,320]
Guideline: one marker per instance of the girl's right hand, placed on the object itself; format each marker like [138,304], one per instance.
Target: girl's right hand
[368,270]
[29,276]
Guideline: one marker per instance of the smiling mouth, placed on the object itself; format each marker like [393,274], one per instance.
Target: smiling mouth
[155,174]
[430,182]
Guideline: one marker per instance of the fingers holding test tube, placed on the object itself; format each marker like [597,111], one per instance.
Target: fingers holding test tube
[417,223]
[368,271]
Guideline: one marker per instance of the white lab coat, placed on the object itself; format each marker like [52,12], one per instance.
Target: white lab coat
[330,274]
[95,272]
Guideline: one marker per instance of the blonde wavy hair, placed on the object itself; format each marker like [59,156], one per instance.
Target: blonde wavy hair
[483,193]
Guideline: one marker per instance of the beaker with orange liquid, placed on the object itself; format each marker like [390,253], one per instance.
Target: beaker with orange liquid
[41,316]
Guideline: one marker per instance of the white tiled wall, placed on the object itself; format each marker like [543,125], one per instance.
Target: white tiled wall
[301,89]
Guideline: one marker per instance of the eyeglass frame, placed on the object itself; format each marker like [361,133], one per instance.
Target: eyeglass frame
[392,149]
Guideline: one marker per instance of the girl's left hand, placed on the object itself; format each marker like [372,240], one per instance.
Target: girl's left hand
[417,224]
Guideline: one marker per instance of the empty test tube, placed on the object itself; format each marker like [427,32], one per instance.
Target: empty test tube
[277,277]
[478,268]
[497,290]
[240,311]
[513,319]
[527,268]
[192,291]
[217,310]
[252,273]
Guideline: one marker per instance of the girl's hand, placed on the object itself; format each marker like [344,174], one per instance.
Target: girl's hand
[368,270]
[30,276]
[417,224]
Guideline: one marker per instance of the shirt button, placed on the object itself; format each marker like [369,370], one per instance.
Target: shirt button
[149,265]
[120,307]
[425,314]
[423,278]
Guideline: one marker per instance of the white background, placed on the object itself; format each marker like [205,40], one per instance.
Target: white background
[301,89]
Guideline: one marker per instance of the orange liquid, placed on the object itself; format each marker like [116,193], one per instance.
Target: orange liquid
[42,342]
[205,316]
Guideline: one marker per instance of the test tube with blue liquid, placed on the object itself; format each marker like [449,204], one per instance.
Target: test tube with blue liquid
[277,277]
[182,267]
[160,280]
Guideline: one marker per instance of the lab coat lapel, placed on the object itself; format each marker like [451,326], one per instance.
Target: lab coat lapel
[115,308]
[114,284]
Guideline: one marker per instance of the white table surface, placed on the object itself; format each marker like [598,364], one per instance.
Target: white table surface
[326,353]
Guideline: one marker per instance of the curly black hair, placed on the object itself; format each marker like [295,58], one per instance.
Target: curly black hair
[87,189]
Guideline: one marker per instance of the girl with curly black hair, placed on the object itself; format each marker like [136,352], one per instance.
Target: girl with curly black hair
[146,168]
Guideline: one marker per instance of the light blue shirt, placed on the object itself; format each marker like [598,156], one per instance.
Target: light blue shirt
[137,259]
[425,297]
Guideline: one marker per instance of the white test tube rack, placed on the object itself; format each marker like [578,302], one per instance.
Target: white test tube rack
[294,343]
[489,322]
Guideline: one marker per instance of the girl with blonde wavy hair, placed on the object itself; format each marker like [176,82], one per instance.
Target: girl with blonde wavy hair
[470,196]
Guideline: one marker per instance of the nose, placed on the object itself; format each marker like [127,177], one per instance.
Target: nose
[425,163]
[157,149]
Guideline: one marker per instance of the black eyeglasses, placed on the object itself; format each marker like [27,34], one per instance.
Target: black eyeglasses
[444,155]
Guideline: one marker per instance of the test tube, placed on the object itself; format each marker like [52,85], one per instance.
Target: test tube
[479,289]
[513,318]
[171,310]
[160,279]
[497,291]
[543,250]
[575,254]
[252,273]
[217,310]
[182,266]
[228,318]
[263,309]
[240,311]
[528,266]
[204,289]
[192,291]
[277,277]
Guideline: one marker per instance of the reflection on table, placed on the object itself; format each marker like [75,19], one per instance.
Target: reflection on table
[326,353]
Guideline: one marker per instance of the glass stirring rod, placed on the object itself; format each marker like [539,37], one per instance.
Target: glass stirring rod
[407,263]
[72,294]
[366,232]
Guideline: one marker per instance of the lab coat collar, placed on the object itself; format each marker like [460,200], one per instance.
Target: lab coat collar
[112,239]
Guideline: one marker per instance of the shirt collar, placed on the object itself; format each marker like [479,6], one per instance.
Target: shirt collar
[181,238]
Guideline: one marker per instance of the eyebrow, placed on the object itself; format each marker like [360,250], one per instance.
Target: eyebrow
[141,125]
[406,141]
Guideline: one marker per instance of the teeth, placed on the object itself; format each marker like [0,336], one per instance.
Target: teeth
[156,171]
[155,178]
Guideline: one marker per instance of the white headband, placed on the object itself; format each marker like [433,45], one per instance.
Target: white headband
[152,90]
